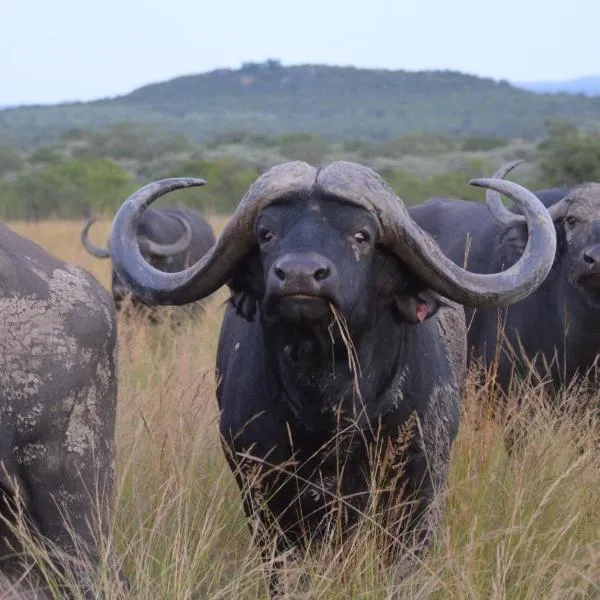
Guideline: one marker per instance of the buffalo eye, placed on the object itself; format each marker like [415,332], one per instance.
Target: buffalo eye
[265,235]
[571,221]
[362,236]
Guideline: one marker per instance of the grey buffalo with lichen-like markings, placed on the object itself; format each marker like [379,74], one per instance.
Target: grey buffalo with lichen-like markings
[314,439]
[58,375]
[170,238]
[557,328]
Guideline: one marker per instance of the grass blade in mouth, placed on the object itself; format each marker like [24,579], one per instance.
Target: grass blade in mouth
[353,363]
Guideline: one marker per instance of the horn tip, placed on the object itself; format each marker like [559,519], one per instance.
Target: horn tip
[514,164]
[479,182]
[192,181]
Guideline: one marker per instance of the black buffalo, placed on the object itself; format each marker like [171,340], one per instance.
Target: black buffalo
[301,423]
[555,330]
[58,401]
[170,239]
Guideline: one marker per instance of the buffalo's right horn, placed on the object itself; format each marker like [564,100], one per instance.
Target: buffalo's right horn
[88,245]
[507,217]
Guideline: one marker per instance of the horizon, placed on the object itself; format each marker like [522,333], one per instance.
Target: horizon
[238,67]
[69,52]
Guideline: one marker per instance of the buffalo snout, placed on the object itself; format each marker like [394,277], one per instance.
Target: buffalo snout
[591,257]
[301,285]
[302,270]
[588,270]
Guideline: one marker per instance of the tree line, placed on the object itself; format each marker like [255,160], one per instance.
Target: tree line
[93,172]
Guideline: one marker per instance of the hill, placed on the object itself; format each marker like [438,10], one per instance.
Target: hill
[590,86]
[339,103]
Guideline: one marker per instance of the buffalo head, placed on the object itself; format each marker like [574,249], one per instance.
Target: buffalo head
[154,253]
[576,218]
[316,249]
[302,238]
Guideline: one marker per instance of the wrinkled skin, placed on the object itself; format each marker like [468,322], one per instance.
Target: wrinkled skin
[58,370]
[559,324]
[286,392]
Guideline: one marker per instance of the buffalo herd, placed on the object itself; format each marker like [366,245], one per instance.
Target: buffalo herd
[342,354]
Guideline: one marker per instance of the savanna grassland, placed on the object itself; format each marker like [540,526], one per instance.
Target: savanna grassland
[520,527]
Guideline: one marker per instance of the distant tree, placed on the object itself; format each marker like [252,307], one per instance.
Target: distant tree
[361,147]
[133,141]
[227,181]
[255,67]
[416,144]
[455,183]
[475,144]
[303,146]
[76,134]
[451,184]
[46,155]
[569,155]
[242,138]
[407,186]
[11,160]
[69,189]
[273,64]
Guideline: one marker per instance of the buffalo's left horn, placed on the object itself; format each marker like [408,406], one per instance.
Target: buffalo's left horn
[401,235]
[216,267]
[149,247]
[88,245]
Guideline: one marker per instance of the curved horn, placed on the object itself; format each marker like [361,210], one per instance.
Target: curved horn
[418,250]
[89,246]
[216,267]
[150,247]
[507,217]
[494,200]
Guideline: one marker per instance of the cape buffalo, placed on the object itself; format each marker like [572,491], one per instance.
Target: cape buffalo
[58,400]
[557,328]
[170,239]
[314,417]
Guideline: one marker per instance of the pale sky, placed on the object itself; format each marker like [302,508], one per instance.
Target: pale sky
[60,50]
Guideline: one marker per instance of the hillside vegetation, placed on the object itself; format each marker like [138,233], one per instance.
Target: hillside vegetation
[339,103]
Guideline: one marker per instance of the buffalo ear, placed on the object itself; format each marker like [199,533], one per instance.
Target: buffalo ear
[561,239]
[513,239]
[417,307]
[246,287]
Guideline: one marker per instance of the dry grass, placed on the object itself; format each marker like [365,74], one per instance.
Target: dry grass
[522,526]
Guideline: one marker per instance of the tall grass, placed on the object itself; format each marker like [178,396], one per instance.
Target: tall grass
[518,526]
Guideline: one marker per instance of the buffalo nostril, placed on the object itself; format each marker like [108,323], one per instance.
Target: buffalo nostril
[321,273]
[588,258]
[280,273]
